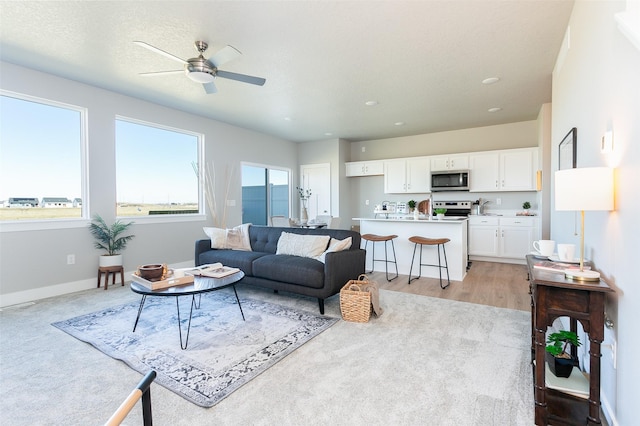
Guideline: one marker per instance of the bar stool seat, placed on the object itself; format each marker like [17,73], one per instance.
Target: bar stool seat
[438,242]
[381,238]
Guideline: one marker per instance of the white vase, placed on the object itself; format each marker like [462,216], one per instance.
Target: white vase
[107,261]
[304,217]
[440,216]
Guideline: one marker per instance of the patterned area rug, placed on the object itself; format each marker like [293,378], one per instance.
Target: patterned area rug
[224,352]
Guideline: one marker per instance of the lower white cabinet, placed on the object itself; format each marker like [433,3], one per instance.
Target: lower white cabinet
[502,237]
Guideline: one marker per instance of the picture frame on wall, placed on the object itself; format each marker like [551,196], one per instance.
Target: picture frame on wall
[567,150]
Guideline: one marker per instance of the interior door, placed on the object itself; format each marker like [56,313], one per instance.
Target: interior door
[317,178]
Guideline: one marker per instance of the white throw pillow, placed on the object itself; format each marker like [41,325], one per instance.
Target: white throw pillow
[336,245]
[302,245]
[235,239]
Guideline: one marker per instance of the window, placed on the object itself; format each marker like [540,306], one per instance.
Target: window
[265,193]
[42,163]
[156,170]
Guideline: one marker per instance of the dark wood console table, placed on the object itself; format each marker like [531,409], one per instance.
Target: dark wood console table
[553,296]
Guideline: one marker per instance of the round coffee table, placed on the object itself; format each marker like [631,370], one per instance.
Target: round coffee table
[199,286]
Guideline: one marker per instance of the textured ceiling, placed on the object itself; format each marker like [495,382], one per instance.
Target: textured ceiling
[422,61]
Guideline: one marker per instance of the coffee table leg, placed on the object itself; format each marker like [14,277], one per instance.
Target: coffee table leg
[193,302]
[239,305]
[144,297]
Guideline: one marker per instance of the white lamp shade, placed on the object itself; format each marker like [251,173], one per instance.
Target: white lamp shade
[587,188]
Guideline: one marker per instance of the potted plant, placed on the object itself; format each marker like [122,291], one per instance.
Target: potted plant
[110,239]
[412,205]
[526,206]
[440,213]
[560,361]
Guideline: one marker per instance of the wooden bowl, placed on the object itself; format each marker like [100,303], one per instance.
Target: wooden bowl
[151,272]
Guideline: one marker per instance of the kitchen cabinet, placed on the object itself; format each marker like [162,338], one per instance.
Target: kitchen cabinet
[364,168]
[410,175]
[483,236]
[502,237]
[449,162]
[507,170]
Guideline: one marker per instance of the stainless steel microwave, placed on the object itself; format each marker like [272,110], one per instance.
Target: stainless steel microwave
[450,180]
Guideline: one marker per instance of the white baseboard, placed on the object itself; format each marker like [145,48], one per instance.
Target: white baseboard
[608,411]
[25,296]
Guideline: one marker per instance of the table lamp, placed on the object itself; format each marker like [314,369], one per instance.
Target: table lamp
[587,188]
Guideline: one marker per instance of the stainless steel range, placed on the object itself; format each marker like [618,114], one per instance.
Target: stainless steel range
[455,209]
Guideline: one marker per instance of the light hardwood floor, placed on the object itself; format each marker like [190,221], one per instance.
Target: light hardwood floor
[487,283]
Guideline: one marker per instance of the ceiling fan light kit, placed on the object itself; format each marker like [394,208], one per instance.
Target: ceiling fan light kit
[205,71]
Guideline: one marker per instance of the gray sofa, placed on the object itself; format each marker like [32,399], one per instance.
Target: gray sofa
[295,274]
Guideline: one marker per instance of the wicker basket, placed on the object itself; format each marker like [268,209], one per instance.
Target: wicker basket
[355,304]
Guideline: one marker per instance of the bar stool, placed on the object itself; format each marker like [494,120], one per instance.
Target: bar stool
[422,241]
[379,238]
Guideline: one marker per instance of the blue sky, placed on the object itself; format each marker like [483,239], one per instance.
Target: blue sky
[40,156]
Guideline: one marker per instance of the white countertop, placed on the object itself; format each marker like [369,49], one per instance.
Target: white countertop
[410,219]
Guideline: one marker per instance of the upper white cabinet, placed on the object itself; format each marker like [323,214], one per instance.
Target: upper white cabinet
[508,170]
[449,162]
[407,175]
[365,168]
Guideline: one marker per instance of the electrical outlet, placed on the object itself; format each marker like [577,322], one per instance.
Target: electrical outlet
[614,353]
[231,203]
[364,149]
[71,259]
[366,202]
[498,201]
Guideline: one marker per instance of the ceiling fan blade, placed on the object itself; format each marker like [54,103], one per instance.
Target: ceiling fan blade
[224,55]
[241,77]
[160,51]
[209,87]
[159,73]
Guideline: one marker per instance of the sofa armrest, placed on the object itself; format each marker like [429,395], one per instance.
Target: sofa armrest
[201,247]
[341,267]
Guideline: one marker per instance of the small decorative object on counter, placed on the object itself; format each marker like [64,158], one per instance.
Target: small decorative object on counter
[412,205]
[440,213]
[526,206]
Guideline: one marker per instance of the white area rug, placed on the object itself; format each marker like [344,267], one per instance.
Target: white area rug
[224,352]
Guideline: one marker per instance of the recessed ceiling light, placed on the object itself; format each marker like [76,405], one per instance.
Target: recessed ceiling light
[399,123]
[496,109]
[287,118]
[328,134]
[490,80]
[371,103]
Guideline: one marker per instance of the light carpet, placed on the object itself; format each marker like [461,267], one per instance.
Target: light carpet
[424,361]
[224,351]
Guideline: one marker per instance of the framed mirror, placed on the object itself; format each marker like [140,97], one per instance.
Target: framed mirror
[567,150]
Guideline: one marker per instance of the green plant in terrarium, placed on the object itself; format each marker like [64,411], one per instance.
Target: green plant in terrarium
[412,204]
[557,343]
[526,205]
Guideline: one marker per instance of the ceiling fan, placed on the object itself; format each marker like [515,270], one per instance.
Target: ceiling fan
[203,70]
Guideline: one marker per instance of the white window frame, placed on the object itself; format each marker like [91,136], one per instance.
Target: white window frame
[166,218]
[61,223]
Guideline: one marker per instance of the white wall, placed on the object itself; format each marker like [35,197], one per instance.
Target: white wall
[33,263]
[596,87]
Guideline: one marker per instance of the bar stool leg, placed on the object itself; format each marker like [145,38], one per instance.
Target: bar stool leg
[419,263]
[444,252]
[395,259]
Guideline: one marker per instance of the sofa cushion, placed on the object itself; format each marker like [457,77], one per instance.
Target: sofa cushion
[336,245]
[234,258]
[302,245]
[286,268]
[236,238]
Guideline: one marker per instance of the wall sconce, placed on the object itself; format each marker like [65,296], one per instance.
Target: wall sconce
[606,145]
[587,188]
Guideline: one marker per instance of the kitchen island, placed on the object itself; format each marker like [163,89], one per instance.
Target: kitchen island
[454,229]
